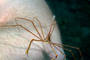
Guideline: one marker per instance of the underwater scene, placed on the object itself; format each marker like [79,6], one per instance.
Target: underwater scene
[73,18]
[29,29]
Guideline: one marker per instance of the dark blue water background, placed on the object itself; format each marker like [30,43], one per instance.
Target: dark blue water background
[73,18]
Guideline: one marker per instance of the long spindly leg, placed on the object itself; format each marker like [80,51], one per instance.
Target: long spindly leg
[53,51]
[69,51]
[70,47]
[61,52]
[66,49]
[21,27]
[53,28]
[40,25]
[17,24]
[51,25]
[30,45]
[32,24]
